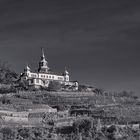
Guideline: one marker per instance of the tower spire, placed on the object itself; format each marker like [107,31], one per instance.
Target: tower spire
[43,64]
[42,50]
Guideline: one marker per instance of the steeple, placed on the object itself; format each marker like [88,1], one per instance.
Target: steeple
[43,64]
[43,56]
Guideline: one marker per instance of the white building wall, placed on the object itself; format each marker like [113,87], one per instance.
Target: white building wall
[42,79]
[46,76]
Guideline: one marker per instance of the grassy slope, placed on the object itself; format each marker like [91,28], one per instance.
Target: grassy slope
[64,100]
[70,98]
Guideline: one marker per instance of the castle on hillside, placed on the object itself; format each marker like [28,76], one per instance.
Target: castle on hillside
[43,77]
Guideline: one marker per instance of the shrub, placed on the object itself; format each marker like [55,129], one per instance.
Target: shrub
[54,86]
[24,133]
[4,88]
[82,125]
[5,100]
[7,76]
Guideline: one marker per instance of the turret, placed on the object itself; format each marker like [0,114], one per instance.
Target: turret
[27,70]
[43,64]
[66,75]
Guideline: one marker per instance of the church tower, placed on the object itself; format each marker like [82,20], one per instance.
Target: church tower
[43,64]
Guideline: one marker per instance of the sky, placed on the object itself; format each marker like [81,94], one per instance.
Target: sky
[97,40]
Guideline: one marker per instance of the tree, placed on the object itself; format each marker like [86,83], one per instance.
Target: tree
[24,133]
[99,91]
[82,125]
[5,100]
[7,133]
[23,84]
[7,76]
[54,86]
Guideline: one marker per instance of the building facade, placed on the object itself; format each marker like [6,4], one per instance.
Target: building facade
[43,77]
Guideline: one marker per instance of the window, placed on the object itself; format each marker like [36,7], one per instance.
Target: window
[60,78]
[33,75]
[49,76]
[37,80]
[32,80]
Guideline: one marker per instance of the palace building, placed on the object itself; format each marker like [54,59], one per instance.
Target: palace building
[43,77]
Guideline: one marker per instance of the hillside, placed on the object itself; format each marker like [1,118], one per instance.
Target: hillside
[72,98]
[75,111]
[64,100]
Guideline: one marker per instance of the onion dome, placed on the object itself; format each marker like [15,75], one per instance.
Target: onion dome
[66,72]
[27,68]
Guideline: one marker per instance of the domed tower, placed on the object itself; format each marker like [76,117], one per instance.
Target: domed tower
[43,64]
[27,70]
[66,75]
